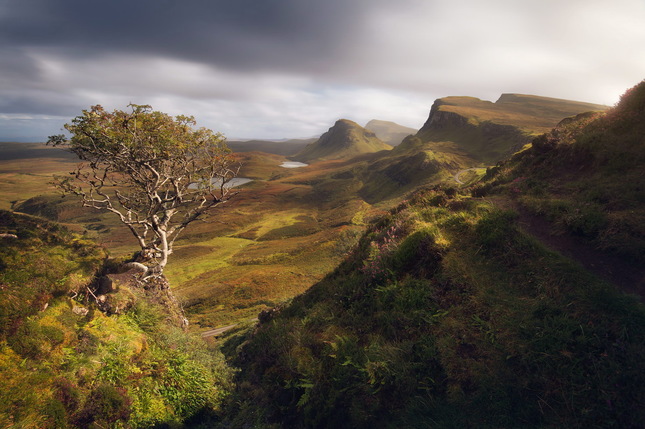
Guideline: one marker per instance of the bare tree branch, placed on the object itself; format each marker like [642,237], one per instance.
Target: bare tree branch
[147,168]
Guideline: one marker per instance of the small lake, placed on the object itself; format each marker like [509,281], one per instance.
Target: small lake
[293,164]
[236,181]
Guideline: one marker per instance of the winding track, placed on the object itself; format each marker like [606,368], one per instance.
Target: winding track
[218,331]
[460,172]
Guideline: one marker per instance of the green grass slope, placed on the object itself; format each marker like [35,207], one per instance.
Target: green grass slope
[490,132]
[345,140]
[462,132]
[448,315]
[586,178]
[66,364]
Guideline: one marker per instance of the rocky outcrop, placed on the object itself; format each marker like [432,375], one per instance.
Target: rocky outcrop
[441,119]
[490,132]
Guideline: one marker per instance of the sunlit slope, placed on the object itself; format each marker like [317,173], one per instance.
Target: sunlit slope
[345,140]
[64,363]
[488,131]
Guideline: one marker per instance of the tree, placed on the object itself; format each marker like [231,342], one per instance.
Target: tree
[157,173]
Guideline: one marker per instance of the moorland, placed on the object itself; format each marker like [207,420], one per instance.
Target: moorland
[483,271]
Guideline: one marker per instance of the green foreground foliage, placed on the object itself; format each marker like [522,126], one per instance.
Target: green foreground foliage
[64,363]
[447,315]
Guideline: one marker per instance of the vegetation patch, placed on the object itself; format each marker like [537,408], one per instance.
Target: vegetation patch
[65,363]
[447,313]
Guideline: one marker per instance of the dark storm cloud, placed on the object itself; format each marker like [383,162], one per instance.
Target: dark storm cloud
[286,68]
[237,34]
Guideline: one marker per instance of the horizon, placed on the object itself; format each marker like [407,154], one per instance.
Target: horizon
[284,139]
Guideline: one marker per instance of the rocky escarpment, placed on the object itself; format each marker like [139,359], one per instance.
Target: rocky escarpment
[488,131]
[441,119]
[346,139]
[485,138]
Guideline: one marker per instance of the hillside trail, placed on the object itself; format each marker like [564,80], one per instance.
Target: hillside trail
[626,276]
[457,175]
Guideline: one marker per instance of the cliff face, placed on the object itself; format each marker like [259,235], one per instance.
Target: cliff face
[490,131]
[346,139]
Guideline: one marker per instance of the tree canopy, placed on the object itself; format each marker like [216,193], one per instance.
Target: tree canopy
[156,172]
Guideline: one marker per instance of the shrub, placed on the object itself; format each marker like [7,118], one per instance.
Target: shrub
[106,404]
[496,229]
[418,254]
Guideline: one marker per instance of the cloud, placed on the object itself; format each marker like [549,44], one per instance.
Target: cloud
[286,68]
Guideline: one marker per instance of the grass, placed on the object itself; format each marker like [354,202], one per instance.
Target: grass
[267,245]
[585,177]
[64,363]
[447,303]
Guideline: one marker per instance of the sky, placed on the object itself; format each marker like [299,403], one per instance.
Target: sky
[277,69]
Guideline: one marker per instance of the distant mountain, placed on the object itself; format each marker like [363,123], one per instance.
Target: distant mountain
[283,147]
[345,140]
[488,131]
[463,132]
[390,132]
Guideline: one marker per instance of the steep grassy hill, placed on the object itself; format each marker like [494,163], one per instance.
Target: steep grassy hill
[461,132]
[448,315]
[389,132]
[345,140]
[586,178]
[112,357]
[456,311]
[489,132]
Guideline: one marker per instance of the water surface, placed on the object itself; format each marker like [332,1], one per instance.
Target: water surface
[293,164]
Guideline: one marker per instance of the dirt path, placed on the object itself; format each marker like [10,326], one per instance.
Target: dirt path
[628,277]
[458,174]
[218,331]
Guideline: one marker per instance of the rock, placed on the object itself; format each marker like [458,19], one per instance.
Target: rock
[134,266]
[8,236]
[81,311]
[105,285]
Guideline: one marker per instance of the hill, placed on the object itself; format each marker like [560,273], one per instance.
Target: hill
[458,311]
[490,132]
[448,313]
[585,177]
[460,133]
[345,140]
[389,132]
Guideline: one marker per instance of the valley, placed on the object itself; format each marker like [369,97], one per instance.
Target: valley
[482,271]
[289,227]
